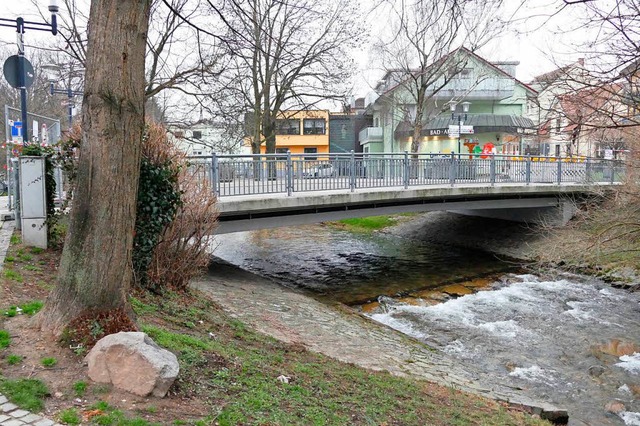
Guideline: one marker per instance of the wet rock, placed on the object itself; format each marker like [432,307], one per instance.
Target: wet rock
[614,407]
[431,294]
[457,290]
[618,348]
[596,370]
[370,307]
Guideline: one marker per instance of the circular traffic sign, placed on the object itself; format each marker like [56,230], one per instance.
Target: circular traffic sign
[11,74]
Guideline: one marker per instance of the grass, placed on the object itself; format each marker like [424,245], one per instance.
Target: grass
[5,339]
[13,275]
[28,394]
[79,388]
[370,224]
[48,362]
[14,359]
[70,416]
[29,308]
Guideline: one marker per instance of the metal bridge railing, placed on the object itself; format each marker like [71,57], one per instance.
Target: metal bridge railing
[231,175]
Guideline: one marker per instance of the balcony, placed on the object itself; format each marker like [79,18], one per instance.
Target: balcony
[370,134]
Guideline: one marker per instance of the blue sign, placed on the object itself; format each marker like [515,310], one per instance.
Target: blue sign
[16,131]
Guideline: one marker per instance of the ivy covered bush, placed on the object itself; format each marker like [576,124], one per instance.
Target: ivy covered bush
[159,198]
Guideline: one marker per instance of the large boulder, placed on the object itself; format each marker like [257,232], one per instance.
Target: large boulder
[131,361]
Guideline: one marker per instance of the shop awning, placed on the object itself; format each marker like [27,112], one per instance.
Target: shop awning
[482,123]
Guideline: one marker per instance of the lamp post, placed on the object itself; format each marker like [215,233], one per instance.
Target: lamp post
[52,71]
[21,25]
[460,118]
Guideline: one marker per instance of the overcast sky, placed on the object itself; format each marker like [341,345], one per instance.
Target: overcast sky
[538,38]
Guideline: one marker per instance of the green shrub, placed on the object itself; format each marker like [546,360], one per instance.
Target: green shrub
[158,199]
[32,308]
[80,388]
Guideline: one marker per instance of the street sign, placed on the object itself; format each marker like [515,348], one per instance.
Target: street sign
[11,71]
[465,130]
[16,131]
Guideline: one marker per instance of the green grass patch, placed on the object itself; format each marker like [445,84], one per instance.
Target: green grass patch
[37,250]
[15,239]
[370,224]
[48,362]
[14,359]
[32,268]
[29,308]
[28,394]
[70,416]
[32,308]
[79,388]
[9,259]
[13,275]
[25,257]
[5,339]
[115,417]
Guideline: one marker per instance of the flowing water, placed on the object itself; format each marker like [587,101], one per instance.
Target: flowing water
[570,340]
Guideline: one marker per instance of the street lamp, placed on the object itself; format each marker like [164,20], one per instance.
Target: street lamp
[460,118]
[21,25]
[52,74]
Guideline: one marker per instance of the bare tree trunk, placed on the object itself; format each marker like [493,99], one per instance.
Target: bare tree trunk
[95,269]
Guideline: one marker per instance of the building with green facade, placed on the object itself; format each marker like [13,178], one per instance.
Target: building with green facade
[470,104]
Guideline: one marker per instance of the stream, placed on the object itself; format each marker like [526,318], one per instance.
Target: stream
[571,340]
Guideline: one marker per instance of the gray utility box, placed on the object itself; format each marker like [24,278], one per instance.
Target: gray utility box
[33,201]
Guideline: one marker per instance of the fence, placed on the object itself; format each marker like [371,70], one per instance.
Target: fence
[286,173]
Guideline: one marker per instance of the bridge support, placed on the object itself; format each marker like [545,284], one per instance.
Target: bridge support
[558,215]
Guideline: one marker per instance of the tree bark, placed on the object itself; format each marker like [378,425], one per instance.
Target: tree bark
[95,270]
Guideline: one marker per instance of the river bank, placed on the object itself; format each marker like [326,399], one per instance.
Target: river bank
[535,246]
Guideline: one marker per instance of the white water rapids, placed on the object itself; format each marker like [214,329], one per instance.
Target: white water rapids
[541,335]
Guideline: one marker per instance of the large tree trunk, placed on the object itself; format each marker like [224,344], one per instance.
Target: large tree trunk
[95,269]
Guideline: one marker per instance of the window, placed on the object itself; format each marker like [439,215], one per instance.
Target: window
[282,151]
[197,134]
[311,151]
[557,125]
[287,127]
[455,72]
[179,134]
[314,126]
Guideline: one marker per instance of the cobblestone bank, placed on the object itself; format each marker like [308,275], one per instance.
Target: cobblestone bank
[11,415]
[343,334]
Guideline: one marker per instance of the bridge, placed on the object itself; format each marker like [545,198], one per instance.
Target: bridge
[267,191]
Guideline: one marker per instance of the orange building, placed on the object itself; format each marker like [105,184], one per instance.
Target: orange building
[302,132]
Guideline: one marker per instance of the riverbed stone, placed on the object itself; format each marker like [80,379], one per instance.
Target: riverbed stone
[596,370]
[457,290]
[133,362]
[615,407]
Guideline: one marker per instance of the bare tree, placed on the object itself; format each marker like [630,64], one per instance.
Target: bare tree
[287,54]
[95,269]
[420,54]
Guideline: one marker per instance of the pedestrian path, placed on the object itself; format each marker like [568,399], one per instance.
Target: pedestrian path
[12,415]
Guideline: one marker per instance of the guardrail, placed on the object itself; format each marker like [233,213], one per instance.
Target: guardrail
[231,175]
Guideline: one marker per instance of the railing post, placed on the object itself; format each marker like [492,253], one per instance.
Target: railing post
[528,170]
[452,169]
[559,170]
[587,171]
[406,170]
[215,177]
[352,171]
[613,170]
[289,174]
[492,169]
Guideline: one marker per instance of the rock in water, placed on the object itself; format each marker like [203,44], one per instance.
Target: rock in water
[131,361]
